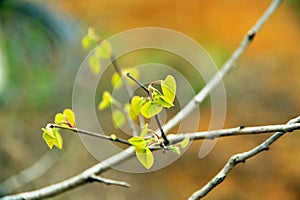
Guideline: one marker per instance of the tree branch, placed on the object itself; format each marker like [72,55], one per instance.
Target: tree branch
[233,132]
[89,174]
[239,158]
[32,172]
[106,181]
[75,181]
[225,69]
[82,178]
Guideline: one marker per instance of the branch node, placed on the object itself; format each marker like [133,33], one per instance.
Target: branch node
[220,180]
[251,35]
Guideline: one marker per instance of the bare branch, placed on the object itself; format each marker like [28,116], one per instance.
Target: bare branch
[106,181]
[75,181]
[234,132]
[236,159]
[226,68]
[29,174]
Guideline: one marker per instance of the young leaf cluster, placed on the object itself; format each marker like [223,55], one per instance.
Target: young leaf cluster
[51,134]
[103,50]
[156,101]
[141,146]
[148,107]
[148,138]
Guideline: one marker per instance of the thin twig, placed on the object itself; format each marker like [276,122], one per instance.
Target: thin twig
[139,83]
[236,159]
[89,133]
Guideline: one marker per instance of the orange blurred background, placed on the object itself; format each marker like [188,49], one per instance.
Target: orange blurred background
[262,90]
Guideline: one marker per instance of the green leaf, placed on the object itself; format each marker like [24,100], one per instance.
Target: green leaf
[60,120]
[164,101]
[145,156]
[118,118]
[103,50]
[144,131]
[116,81]
[86,42]
[136,104]
[90,39]
[168,87]
[52,137]
[143,153]
[185,142]
[67,118]
[174,149]
[70,116]
[138,142]
[94,64]
[48,131]
[106,100]
[150,109]
[129,110]
[58,142]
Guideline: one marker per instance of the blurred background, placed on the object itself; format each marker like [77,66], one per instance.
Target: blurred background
[40,53]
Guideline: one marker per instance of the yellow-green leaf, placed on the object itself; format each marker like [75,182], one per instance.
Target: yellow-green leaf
[48,131]
[174,149]
[136,104]
[118,118]
[164,101]
[90,39]
[106,101]
[129,110]
[70,116]
[94,64]
[116,81]
[144,131]
[168,87]
[145,157]
[60,120]
[138,142]
[52,137]
[150,109]
[48,139]
[86,42]
[67,118]
[58,139]
[185,142]
[103,50]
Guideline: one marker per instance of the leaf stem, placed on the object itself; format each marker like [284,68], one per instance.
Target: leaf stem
[85,132]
